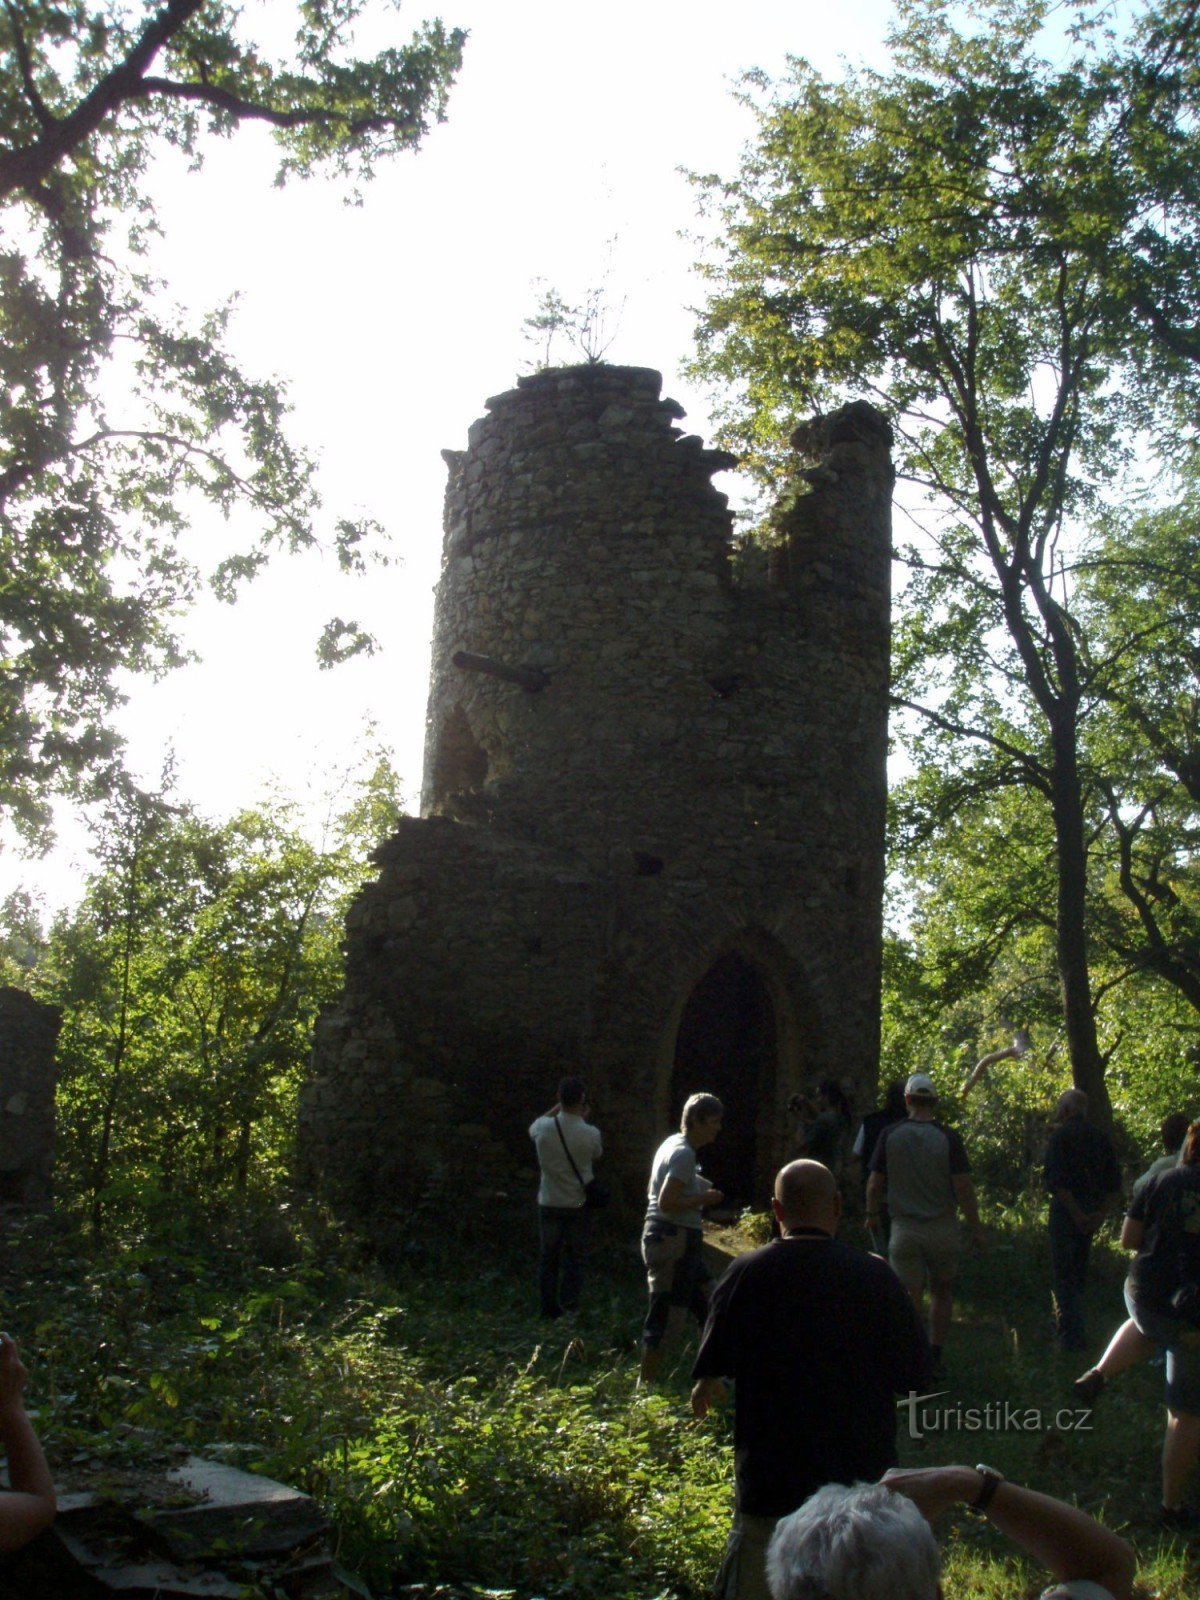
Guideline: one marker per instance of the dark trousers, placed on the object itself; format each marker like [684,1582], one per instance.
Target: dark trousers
[1069,1250]
[563,1234]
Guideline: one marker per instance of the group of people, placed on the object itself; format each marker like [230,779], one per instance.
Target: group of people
[673,1236]
[818,1338]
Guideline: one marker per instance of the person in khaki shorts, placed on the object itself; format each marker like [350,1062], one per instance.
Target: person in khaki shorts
[921,1168]
[673,1236]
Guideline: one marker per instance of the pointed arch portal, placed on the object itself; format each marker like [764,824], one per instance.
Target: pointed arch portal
[728,1044]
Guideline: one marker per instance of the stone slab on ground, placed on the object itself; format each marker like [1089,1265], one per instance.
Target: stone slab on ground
[237,1512]
[164,1581]
[207,1532]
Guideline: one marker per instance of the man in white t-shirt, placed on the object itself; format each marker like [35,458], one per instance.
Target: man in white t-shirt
[566,1144]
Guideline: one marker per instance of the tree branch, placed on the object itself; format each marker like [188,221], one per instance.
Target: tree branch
[1036,775]
[1158,955]
[20,474]
[32,94]
[28,166]
[252,111]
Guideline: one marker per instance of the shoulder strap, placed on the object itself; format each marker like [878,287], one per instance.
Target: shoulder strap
[567,1152]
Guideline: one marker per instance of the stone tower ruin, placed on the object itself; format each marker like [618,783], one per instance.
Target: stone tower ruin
[651,841]
[28,1079]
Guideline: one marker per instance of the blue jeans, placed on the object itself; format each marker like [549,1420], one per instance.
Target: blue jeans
[563,1235]
[1069,1251]
[1181,1340]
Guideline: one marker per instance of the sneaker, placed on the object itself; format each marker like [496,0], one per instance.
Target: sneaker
[1088,1388]
[1179,1520]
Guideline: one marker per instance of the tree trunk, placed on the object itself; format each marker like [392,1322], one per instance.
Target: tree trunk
[117,1065]
[1079,1017]
[101,1162]
[241,1176]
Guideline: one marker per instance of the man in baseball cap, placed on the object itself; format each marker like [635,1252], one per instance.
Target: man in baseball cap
[921,1168]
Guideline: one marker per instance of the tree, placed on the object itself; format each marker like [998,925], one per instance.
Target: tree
[190,976]
[22,938]
[1002,251]
[978,847]
[589,328]
[108,960]
[115,411]
[1139,594]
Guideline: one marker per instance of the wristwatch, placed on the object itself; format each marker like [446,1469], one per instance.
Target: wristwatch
[991,1482]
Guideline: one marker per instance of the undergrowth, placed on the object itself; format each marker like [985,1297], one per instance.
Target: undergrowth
[454,1439]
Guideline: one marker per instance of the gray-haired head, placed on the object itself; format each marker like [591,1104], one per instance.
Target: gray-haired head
[1072,1103]
[860,1543]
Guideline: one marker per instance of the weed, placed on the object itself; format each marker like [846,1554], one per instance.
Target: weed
[453,1440]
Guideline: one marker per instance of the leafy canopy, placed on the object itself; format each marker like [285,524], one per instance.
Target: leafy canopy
[1000,249]
[1139,594]
[117,412]
[998,239]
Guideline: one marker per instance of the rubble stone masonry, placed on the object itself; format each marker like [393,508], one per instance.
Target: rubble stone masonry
[28,1077]
[651,842]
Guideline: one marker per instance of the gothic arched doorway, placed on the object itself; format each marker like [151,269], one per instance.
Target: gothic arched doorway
[728,1045]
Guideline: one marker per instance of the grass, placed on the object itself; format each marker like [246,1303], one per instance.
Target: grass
[456,1441]
[1001,1357]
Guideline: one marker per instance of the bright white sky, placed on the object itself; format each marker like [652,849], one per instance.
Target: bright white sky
[393,323]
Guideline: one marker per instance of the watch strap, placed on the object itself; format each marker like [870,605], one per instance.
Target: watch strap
[987,1491]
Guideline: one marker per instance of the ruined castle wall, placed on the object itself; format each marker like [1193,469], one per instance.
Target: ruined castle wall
[641,752]
[28,1077]
[450,1039]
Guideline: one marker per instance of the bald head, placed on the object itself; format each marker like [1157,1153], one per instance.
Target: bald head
[1072,1104]
[806,1196]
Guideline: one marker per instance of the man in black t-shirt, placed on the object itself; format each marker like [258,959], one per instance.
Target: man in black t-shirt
[1083,1178]
[892,1110]
[1168,1256]
[819,1338]
[1163,1296]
